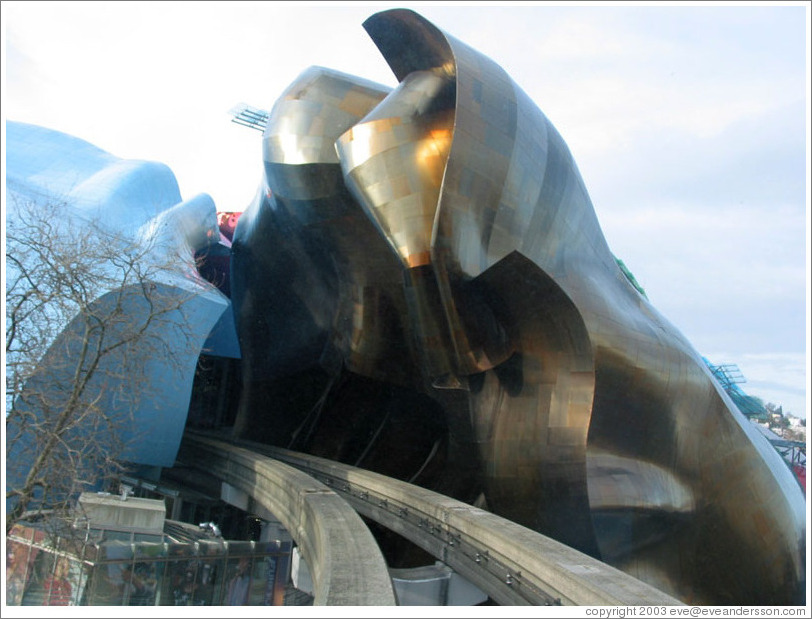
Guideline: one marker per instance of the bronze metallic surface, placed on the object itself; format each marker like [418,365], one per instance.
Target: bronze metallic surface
[434,297]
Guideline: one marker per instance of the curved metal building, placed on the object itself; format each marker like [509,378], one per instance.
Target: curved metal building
[422,288]
[136,209]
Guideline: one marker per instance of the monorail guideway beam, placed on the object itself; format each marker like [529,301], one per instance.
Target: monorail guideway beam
[511,563]
[330,534]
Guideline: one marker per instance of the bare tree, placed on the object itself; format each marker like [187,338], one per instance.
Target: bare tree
[87,311]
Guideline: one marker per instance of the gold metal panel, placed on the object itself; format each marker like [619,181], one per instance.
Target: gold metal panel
[467,263]
[406,135]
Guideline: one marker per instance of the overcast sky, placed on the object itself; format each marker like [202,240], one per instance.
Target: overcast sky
[688,123]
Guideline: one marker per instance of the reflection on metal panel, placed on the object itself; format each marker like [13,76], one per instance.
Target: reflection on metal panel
[434,297]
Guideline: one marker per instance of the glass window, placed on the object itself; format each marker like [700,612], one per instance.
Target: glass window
[172,593]
[147,537]
[149,551]
[91,552]
[241,548]
[189,582]
[140,583]
[118,536]
[53,581]
[217,580]
[238,583]
[205,582]
[104,586]
[263,581]
[116,551]
[211,548]
[17,569]
[42,565]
